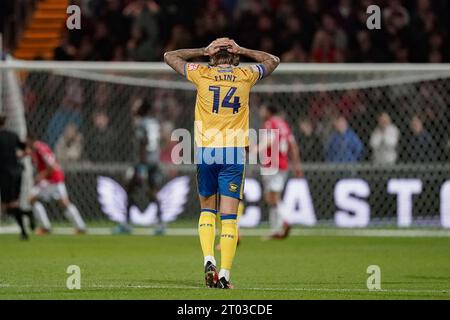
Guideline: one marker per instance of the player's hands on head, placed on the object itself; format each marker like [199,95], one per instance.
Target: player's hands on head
[216,45]
[234,47]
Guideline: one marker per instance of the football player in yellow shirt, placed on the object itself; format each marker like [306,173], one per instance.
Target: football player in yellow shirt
[221,137]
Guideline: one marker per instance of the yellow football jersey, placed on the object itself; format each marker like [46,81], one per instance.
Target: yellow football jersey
[221,109]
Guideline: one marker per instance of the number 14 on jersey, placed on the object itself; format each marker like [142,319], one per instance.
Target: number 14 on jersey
[226,102]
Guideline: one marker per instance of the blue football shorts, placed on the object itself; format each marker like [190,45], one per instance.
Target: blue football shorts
[221,171]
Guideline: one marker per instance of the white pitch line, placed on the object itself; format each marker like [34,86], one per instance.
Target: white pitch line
[303,232]
[336,290]
[280,289]
[350,290]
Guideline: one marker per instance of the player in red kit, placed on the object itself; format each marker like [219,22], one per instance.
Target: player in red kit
[276,149]
[49,185]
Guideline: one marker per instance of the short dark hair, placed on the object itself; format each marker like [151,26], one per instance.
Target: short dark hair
[144,108]
[340,116]
[2,119]
[272,109]
[31,136]
[224,57]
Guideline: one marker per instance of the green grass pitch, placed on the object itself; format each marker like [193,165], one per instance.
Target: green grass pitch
[170,267]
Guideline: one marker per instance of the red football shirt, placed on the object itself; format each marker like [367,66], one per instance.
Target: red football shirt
[43,157]
[282,137]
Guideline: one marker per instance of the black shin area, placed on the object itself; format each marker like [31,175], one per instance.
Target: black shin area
[30,216]
[17,214]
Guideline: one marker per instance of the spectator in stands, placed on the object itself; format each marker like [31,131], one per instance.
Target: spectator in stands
[70,145]
[101,139]
[418,28]
[384,141]
[322,113]
[139,47]
[144,15]
[68,112]
[420,146]
[323,49]
[349,103]
[435,56]
[103,43]
[247,18]
[295,54]
[432,103]
[323,31]
[396,16]
[437,47]
[111,12]
[179,38]
[85,49]
[293,32]
[344,146]
[345,15]
[340,38]
[309,143]
[402,54]
[66,51]
[119,54]
[365,51]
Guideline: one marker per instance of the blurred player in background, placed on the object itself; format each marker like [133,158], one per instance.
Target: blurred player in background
[279,139]
[11,149]
[49,185]
[147,171]
[223,91]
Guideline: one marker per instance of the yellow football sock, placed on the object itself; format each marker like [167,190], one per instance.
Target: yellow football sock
[228,240]
[207,231]
[241,209]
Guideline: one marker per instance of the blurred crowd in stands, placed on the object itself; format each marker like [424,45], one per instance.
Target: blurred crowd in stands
[296,30]
[385,126]
[399,124]
[93,121]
